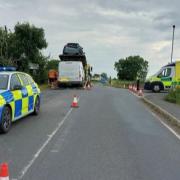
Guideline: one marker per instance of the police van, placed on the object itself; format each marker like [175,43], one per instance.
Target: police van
[167,77]
[19,96]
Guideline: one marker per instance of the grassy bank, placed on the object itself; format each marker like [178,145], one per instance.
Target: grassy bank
[43,86]
[173,96]
[124,84]
[121,83]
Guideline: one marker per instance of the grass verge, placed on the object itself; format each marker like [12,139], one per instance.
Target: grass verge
[123,83]
[43,86]
[173,96]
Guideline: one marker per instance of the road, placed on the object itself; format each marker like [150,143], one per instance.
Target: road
[111,136]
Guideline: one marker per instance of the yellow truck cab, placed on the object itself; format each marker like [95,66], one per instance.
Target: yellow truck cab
[165,78]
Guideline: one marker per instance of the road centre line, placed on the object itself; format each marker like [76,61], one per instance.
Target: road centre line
[37,154]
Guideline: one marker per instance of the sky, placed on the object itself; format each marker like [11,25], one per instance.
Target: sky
[108,30]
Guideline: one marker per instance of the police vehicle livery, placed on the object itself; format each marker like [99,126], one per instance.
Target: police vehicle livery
[19,96]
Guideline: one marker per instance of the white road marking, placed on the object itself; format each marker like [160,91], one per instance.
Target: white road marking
[29,165]
[54,151]
[166,125]
[161,121]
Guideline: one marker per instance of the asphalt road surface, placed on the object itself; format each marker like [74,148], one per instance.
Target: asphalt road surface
[111,136]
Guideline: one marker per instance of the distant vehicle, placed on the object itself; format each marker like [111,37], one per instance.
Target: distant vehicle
[165,78]
[71,73]
[73,49]
[19,96]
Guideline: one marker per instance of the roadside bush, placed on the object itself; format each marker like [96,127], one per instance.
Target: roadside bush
[173,96]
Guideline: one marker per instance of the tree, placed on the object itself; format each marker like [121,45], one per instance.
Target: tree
[22,47]
[131,68]
[52,64]
[4,56]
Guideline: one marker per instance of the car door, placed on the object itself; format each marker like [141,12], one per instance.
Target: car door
[32,92]
[15,87]
[24,91]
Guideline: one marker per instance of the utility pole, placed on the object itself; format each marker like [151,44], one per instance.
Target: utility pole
[172,43]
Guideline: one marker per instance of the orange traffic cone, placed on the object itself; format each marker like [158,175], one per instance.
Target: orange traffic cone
[130,87]
[88,87]
[75,102]
[135,89]
[4,171]
[140,93]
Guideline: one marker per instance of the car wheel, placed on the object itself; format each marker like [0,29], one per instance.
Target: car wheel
[6,120]
[156,88]
[37,106]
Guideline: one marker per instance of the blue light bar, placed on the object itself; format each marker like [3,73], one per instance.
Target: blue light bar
[8,68]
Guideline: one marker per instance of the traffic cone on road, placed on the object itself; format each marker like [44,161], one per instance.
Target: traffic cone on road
[4,171]
[88,87]
[140,93]
[130,87]
[135,89]
[75,102]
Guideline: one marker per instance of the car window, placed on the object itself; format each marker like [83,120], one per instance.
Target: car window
[165,73]
[14,81]
[30,79]
[24,79]
[4,81]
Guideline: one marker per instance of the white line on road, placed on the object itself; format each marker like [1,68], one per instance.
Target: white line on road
[26,168]
[164,124]
[161,121]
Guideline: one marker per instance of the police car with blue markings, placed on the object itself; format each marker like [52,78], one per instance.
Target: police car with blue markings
[19,96]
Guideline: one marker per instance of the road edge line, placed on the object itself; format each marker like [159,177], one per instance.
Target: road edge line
[166,125]
[163,112]
[169,118]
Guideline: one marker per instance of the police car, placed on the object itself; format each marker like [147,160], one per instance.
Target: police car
[19,96]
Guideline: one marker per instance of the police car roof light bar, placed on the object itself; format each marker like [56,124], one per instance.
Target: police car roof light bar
[8,68]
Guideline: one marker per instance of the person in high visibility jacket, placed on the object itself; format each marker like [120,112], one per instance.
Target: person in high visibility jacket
[52,77]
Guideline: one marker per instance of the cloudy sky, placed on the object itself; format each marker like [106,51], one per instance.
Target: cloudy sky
[107,29]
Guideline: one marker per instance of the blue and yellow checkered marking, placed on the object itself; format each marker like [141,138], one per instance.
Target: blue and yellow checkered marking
[21,101]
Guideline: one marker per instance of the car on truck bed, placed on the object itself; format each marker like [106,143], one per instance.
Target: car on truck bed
[73,49]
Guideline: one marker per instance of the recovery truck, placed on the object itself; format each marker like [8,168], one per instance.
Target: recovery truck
[73,67]
[166,78]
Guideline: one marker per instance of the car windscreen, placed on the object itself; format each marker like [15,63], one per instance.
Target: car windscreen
[73,45]
[4,81]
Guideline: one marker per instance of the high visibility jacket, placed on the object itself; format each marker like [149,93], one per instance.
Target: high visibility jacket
[52,74]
